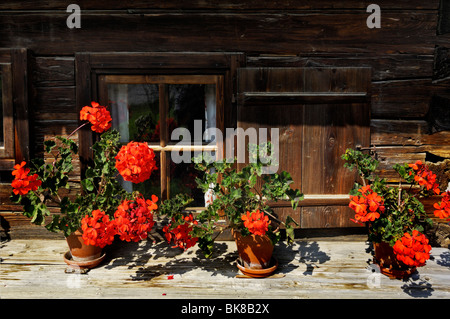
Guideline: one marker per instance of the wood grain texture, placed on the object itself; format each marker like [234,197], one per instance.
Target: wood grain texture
[409,80]
[333,32]
[314,131]
[214,5]
[311,268]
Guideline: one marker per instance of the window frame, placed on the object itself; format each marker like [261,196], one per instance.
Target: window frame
[14,70]
[165,146]
[90,67]
[7,149]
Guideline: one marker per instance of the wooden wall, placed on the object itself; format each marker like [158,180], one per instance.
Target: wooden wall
[409,56]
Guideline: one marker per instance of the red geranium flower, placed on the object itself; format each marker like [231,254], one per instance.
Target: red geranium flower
[98,230]
[134,218]
[367,207]
[412,250]
[98,116]
[443,208]
[181,235]
[256,222]
[23,183]
[358,204]
[135,162]
[425,177]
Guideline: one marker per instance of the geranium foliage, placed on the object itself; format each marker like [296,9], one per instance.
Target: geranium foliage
[101,208]
[236,193]
[395,214]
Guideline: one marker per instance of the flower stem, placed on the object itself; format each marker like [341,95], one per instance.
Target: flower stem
[77,129]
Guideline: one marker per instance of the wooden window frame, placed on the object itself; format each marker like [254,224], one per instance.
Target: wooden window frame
[14,70]
[90,67]
[164,146]
[7,149]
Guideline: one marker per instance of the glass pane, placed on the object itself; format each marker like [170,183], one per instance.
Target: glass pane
[192,106]
[2,140]
[135,111]
[182,180]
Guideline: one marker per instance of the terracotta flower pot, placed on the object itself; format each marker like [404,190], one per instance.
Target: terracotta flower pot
[255,252]
[80,254]
[388,262]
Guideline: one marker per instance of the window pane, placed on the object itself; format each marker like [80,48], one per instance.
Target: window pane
[190,102]
[135,111]
[2,140]
[182,180]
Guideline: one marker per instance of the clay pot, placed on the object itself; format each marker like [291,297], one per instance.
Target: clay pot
[255,252]
[82,255]
[388,262]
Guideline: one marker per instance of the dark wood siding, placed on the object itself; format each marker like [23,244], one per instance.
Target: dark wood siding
[408,56]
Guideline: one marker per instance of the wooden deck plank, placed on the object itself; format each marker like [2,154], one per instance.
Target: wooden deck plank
[308,269]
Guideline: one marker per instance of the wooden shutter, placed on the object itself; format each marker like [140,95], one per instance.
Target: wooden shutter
[320,112]
[15,86]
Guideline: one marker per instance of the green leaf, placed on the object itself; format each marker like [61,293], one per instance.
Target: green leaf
[48,145]
[88,184]
[290,234]
[295,196]
[206,244]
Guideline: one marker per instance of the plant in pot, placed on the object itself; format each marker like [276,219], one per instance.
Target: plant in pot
[100,209]
[242,197]
[394,214]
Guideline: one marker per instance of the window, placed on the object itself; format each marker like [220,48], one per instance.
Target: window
[146,87]
[6,111]
[14,136]
[150,109]
[2,135]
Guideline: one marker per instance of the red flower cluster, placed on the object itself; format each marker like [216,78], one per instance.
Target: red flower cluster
[98,230]
[369,200]
[413,250]
[443,207]
[256,222]
[98,116]
[425,177]
[180,235]
[134,218]
[135,162]
[23,183]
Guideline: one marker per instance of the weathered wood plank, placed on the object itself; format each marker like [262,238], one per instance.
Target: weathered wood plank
[401,98]
[54,71]
[55,99]
[345,31]
[385,67]
[389,156]
[407,132]
[214,5]
[309,269]
[397,132]
[327,217]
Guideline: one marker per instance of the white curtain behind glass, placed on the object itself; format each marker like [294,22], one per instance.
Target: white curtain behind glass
[210,111]
[118,95]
